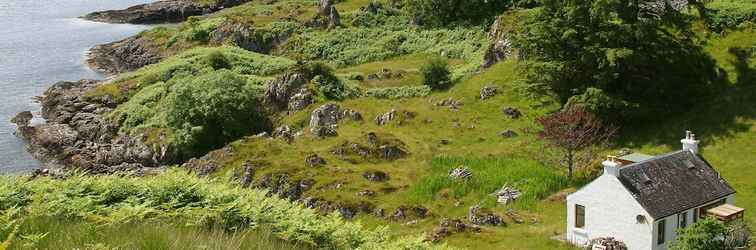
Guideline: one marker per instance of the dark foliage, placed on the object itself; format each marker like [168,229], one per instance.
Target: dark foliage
[445,12]
[436,74]
[650,64]
[213,110]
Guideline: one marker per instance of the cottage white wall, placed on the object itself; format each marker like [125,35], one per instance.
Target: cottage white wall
[673,223]
[610,210]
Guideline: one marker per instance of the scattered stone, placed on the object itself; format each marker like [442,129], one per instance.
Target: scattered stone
[511,112]
[379,212]
[375,176]
[624,152]
[410,223]
[457,224]
[476,215]
[383,119]
[508,133]
[460,173]
[390,152]
[399,214]
[372,139]
[347,212]
[488,92]
[454,105]
[366,193]
[438,234]
[249,174]
[512,214]
[314,160]
[506,195]
[420,211]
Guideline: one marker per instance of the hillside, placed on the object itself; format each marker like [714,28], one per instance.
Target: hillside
[325,106]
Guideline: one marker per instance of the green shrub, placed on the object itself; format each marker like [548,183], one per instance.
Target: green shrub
[212,110]
[217,60]
[436,74]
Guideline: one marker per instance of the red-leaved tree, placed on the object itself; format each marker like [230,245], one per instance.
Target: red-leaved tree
[572,131]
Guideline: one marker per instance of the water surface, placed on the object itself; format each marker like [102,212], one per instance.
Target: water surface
[42,42]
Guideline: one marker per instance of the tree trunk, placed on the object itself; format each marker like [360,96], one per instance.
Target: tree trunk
[570,162]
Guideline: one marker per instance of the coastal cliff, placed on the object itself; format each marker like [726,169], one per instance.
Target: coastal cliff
[168,11]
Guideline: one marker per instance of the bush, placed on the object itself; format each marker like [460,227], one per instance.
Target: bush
[726,14]
[217,60]
[436,74]
[212,110]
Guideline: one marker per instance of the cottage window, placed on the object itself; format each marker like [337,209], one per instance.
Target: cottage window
[682,220]
[662,228]
[695,215]
[579,216]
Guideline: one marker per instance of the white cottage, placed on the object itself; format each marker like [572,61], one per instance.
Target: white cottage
[641,200]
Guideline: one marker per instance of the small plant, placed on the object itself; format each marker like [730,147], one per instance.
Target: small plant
[436,74]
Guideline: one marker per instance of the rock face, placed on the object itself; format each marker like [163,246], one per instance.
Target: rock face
[501,46]
[245,36]
[167,11]
[511,112]
[289,91]
[76,134]
[328,16]
[123,56]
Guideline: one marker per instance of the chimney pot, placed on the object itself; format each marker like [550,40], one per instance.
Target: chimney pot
[690,143]
[611,166]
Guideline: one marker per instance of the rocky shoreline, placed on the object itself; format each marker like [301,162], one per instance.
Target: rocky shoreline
[76,133]
[123,56]
[167,11]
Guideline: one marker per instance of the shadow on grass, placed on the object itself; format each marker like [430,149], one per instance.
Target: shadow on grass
[722,115]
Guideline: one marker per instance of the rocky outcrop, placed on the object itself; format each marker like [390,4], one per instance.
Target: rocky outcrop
[123,56]
[167,11]
[325,119]
[328,16]
[501,46]
[76,134]
[244,35]
[511,112]
[289,92]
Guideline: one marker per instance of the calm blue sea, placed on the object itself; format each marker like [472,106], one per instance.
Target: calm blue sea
[42,42]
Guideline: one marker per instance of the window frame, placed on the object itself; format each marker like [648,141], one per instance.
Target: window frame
[579,216]
[661,231]
[682,220]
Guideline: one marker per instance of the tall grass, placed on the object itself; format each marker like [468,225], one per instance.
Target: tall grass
[55,233]
[488,175]
[183,197]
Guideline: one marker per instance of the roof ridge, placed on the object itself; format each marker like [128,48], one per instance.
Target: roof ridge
[656,157]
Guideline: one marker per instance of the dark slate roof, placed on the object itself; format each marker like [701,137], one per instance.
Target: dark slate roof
[672,183]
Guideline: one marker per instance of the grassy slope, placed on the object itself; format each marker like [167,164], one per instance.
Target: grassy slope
[726,124]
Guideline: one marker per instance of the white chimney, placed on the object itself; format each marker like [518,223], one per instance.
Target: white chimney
[690,143]
[611,166]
